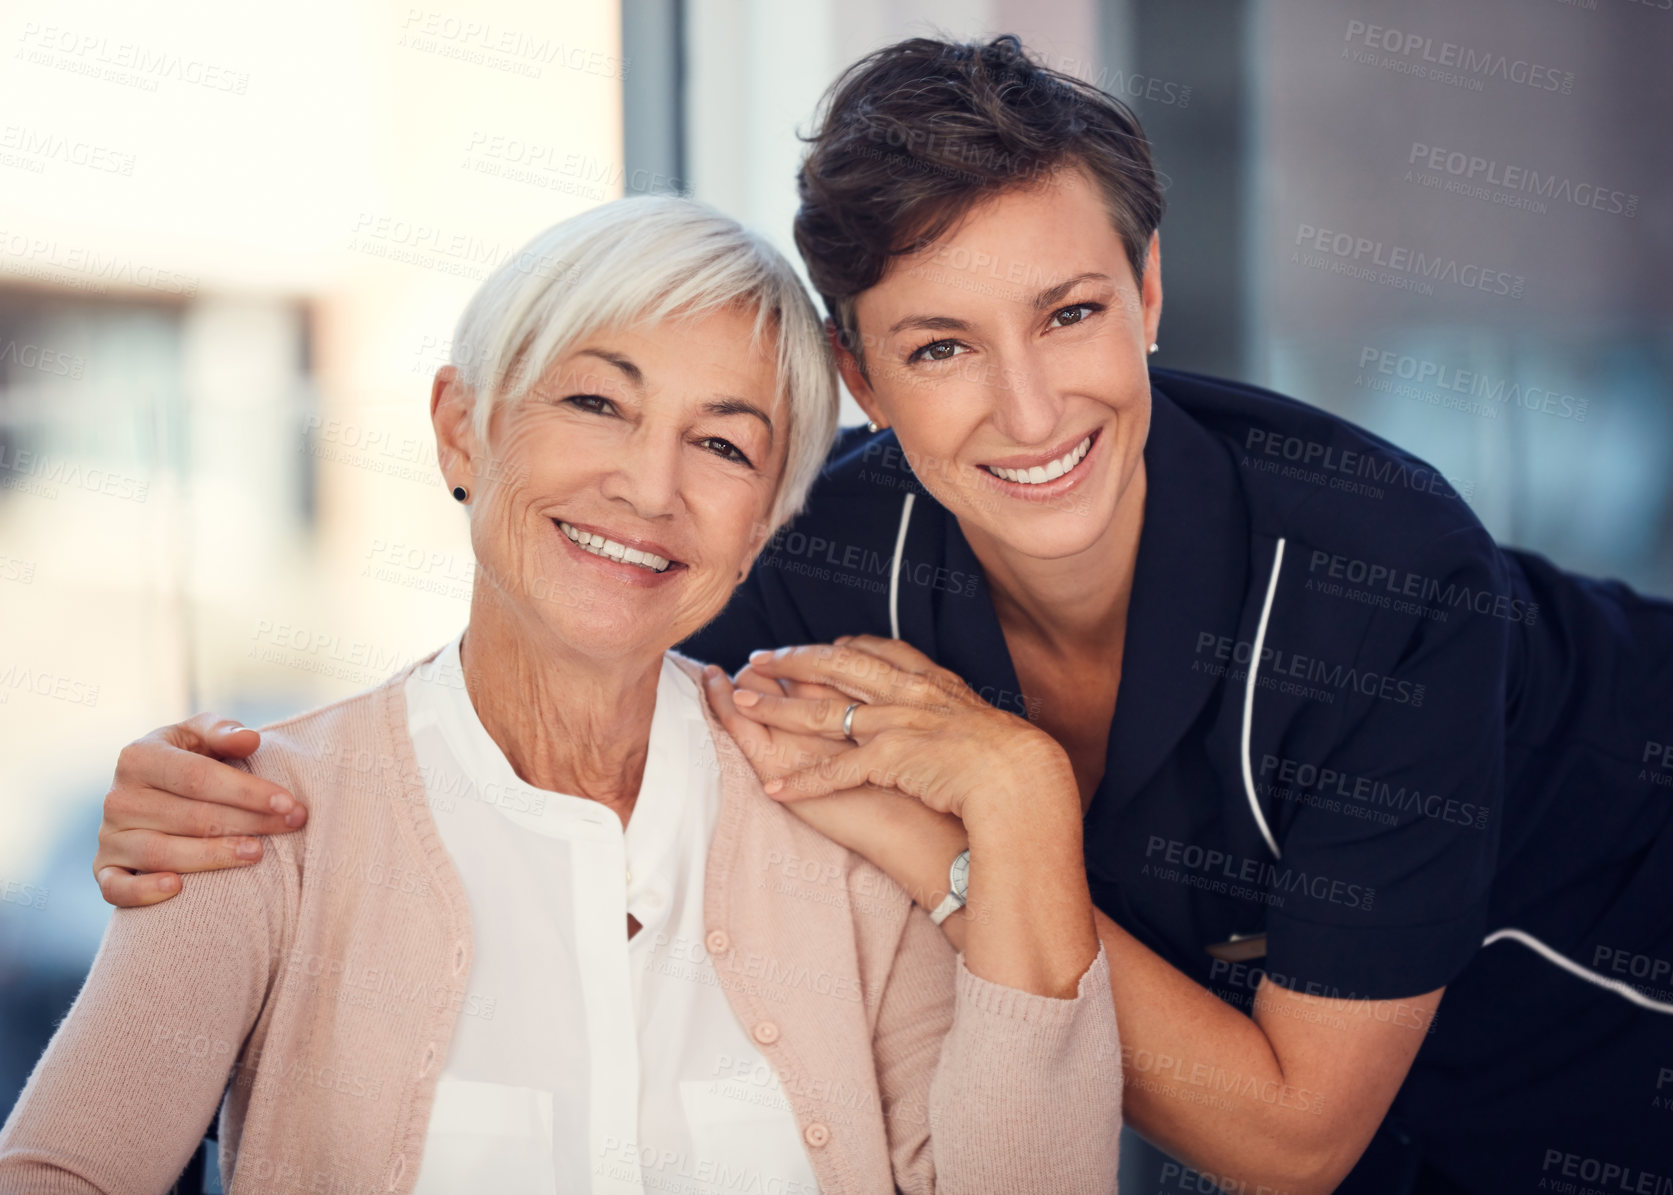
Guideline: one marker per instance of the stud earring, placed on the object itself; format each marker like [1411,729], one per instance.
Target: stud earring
[460,493]
[1154,346]
[871,426]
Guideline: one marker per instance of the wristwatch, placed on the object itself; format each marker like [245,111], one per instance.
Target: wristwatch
[958,884]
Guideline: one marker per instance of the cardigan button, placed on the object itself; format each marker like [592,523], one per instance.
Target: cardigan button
[397,1170]
[717,942]
[766,1033]
[816,1135]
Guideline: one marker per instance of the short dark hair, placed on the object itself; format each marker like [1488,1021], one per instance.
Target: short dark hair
[913,136]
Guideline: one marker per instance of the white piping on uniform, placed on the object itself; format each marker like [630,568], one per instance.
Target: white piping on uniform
[894,570]
[1623,990]
[1249,701]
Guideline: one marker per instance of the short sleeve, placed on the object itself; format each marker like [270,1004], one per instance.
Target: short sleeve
[1389,825]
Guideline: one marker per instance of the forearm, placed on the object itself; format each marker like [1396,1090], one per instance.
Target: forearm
[135,1072]
[1028,923]
[1204,1082]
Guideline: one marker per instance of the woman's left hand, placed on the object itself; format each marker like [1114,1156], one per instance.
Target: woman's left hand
[918,728]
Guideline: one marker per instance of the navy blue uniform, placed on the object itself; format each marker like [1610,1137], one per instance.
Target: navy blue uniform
[1439,762]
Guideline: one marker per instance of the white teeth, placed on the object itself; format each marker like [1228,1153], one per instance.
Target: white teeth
[599,546]
[1042,473]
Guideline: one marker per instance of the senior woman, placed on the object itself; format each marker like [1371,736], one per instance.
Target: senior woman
[544,931]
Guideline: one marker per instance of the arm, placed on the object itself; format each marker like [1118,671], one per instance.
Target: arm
[133,1076]
[990,1089]
[175,808]
[1288,1098]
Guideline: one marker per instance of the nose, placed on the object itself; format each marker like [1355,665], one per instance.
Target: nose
[645,474]
[1026,406]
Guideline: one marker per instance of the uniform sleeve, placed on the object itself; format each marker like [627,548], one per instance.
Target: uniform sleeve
[988,1088]
[1390,825]
[135,1073]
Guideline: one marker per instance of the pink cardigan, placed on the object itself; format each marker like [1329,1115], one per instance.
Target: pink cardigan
[318,990]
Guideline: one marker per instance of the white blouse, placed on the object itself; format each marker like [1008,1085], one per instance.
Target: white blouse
[582,1060]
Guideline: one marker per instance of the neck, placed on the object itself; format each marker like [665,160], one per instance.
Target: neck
[566,722]
[1074,606]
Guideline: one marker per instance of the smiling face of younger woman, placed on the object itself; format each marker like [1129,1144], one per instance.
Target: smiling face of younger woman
[1010,358]
[617,501]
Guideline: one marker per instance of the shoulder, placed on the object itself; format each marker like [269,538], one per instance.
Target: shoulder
[357,742]
[1331,487]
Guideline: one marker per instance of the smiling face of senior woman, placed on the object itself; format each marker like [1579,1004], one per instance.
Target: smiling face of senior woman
[666,440]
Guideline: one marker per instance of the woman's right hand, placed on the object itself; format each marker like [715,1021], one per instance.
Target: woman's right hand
[174,807]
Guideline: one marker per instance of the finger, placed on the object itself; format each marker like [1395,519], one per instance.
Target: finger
[906,658]
[750,678]
[858,674]
[753,738]
[127,891]
[822,716]
[851,769]
[211,734]
[150,851]
[133,808]
[896,651]
[808,691]
[157,761]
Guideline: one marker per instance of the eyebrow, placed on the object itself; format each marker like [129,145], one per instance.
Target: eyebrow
[725,404]
[1049,297]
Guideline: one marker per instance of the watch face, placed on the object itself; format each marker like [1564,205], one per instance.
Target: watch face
[959,876]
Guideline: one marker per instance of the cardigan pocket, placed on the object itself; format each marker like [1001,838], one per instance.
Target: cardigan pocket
[746,1135]
[488,1137]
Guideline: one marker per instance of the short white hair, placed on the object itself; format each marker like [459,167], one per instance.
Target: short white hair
[643,259]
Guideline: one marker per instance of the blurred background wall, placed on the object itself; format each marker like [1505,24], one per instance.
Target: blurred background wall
[232,247]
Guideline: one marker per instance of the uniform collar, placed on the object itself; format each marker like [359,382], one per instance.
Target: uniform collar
[1190,580]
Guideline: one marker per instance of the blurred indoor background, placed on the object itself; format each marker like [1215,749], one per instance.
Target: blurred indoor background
[233,245]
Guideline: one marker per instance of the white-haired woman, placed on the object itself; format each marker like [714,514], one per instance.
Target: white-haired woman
[544,931]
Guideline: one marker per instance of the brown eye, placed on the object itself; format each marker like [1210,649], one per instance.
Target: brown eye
[1073,315]
[937,350]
